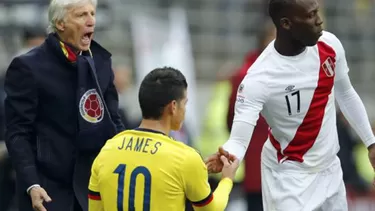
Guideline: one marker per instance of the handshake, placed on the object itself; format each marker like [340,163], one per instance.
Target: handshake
[223,162]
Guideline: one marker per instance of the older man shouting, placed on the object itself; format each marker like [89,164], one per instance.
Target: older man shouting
[61,107]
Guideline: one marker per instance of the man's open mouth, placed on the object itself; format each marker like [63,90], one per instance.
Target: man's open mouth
[86,39]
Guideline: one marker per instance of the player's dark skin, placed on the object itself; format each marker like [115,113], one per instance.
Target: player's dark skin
[299,26]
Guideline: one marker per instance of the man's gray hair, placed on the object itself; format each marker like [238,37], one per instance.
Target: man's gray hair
[57,11]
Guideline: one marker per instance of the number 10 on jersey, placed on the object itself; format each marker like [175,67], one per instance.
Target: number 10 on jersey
[291,97]
[120,170]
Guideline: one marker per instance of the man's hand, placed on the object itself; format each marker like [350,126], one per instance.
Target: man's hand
[214,163]
[371,155]
[229,168]
[38,195]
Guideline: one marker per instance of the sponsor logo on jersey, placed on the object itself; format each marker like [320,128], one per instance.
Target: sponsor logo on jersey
[290,88]
[240,99]
[91,106]
[240,88]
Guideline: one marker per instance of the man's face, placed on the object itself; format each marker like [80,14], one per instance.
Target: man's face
[306,24]
[179,113]
[78,26]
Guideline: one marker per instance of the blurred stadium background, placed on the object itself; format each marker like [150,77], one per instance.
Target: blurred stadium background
[207,40]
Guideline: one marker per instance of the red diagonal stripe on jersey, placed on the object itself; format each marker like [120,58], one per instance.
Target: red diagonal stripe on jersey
[275,144]
[309,129]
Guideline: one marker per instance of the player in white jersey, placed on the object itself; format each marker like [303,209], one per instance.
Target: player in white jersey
[294,83]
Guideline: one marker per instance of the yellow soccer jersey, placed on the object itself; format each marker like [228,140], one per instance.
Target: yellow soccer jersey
[143,170]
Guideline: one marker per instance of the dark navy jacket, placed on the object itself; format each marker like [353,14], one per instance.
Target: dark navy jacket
[42,115]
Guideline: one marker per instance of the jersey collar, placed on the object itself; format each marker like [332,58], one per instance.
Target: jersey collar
[148,130]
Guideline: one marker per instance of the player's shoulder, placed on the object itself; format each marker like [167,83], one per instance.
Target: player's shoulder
[192,162]
[266,62]
[265,58]
[194,152]
[192,155]
[331,39]
[329,36]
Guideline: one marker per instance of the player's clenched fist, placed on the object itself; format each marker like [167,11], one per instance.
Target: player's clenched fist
[38,195]
[215,164]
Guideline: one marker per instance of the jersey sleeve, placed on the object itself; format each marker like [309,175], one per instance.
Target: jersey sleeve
[95,203]
[198,190]
[195,177]
[354,110]
[251,96]
[341,69]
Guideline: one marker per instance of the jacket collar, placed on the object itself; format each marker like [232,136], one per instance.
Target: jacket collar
[67,52]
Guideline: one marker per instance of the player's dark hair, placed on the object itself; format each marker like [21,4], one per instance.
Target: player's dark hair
[277,9]
[160,87]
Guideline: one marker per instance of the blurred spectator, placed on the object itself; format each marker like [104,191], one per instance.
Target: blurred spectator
[31,37]
[123,81]
[123,78]
[252,180]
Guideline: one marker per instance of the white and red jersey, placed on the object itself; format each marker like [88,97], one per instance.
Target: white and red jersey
[295,95]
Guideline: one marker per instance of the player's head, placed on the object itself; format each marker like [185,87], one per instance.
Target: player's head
[163,95]
[299,19]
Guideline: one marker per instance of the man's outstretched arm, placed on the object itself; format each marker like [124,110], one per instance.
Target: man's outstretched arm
[347,98]
[353,109]
[251,96]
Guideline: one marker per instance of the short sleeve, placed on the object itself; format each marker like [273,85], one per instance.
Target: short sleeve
[94,190]
[252,94]
[197,188]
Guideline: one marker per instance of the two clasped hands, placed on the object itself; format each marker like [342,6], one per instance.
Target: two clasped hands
[223,162]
